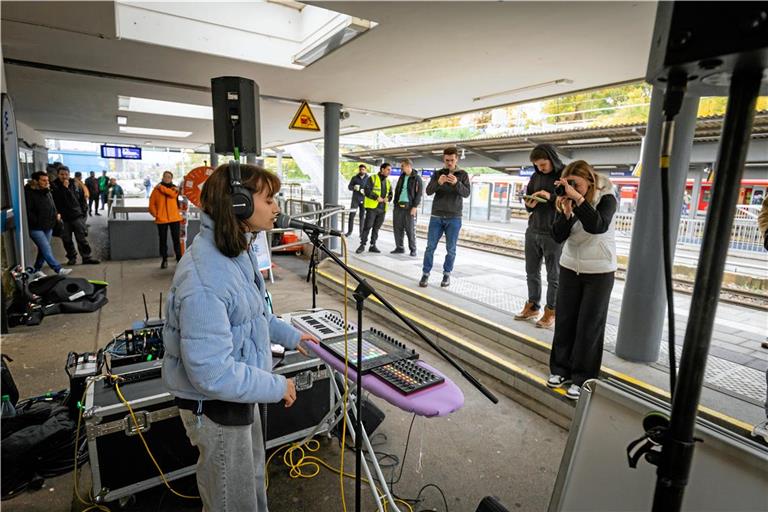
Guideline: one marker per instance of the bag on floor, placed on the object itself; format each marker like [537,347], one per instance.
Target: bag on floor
[60,294]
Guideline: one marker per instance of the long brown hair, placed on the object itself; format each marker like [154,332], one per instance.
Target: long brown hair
[582,169]
[229,232]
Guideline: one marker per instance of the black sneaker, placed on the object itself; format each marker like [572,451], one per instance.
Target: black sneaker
[424,280]
[71,261]
[397,251]
[413,253]
[90,261]
[373,248]
[360,249]
[446,280]
[164,263]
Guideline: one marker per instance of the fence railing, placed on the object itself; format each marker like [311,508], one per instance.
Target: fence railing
[745,235]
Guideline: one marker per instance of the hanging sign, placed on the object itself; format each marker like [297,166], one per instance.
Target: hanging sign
[304,119]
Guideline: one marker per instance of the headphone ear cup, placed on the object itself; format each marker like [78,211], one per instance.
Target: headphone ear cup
[242,202]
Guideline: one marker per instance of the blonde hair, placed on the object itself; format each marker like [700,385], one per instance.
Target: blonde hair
[583,170]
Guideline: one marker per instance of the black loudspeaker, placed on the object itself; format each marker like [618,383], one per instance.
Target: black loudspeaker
[236,121]
[708,41]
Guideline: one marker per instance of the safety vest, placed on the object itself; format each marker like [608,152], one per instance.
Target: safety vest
[372,204]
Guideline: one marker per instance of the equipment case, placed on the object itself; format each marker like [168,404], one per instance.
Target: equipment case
[120,465]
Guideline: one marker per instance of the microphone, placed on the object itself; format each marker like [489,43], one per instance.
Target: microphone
[284,221]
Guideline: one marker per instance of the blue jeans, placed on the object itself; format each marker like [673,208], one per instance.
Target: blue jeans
[230,469]
[42,240]
[437,226]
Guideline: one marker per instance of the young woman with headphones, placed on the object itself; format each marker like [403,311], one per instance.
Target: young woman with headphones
[218,360]
[586,206]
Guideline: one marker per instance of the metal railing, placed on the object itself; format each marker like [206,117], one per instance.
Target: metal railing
[745,235]
[308,211]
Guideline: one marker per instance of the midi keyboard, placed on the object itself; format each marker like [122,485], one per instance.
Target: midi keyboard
[406,376]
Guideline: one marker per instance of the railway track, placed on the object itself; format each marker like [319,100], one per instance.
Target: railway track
[739,297]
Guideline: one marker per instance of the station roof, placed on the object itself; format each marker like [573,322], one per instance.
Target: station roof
[708,130]
[66,63]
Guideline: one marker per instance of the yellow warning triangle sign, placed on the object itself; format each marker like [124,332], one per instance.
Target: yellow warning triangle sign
[304,119]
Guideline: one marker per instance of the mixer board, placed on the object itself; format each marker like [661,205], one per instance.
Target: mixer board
[378,349]
[323,324]
[406,376]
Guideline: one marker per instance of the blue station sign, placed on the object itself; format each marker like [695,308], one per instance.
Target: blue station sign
[120,152]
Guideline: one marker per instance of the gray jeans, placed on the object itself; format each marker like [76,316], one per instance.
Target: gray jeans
[230,470]
[540,246]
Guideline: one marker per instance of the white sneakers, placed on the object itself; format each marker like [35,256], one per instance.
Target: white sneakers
[574,392]
[556,381]
[40,274]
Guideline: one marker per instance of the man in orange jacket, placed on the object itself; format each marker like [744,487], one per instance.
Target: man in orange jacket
[164,207]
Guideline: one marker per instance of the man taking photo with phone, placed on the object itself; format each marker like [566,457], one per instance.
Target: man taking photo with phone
[539,244]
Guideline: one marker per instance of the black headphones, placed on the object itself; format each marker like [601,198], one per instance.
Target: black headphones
[240,197]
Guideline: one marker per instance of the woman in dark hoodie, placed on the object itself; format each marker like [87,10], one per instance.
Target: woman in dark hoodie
[42,218]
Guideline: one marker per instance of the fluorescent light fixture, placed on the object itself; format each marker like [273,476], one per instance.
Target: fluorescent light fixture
[525,88]
[122,120]
[604,167]
[590,141]
[134,130]
[347,31]
[164,108]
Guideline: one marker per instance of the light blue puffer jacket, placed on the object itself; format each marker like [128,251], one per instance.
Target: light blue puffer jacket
[218,329]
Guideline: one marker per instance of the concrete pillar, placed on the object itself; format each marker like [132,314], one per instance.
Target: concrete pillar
[331,160]
[644,303]
[214,157]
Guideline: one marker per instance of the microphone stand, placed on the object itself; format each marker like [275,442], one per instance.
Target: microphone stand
[363,291]
[312,274]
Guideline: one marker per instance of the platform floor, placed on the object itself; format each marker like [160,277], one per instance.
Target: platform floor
[504,450]
[494,286]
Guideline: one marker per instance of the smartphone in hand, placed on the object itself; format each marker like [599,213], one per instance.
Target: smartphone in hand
[534,198]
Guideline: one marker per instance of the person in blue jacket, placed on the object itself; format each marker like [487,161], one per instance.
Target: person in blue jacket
[218,359]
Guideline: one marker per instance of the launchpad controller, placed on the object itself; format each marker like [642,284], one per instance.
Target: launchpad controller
[378,349]
[406,376]
[323,324]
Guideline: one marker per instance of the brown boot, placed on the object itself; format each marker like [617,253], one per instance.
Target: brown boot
[547,320]
[530,310]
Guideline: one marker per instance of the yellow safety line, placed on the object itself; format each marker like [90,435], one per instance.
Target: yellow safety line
[650,388]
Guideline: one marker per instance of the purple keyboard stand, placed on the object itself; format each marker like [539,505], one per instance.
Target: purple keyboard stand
[438,400]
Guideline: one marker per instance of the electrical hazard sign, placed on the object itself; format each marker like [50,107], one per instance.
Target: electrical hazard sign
[304,119]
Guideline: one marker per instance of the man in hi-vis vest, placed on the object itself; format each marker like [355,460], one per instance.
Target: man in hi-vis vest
[378,192]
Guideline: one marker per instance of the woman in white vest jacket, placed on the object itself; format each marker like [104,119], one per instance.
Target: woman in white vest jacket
[587,265]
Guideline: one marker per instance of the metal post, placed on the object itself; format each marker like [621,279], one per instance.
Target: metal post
[490,199]
[214,157]
[279,153]
[643,306]
[677,452]
[695,193]
[331,161]
[250,158]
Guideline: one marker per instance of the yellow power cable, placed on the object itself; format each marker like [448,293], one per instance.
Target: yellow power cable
[346,378]
[115,378]
[295,463]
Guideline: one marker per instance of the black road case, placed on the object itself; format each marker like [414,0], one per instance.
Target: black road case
[120,464]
